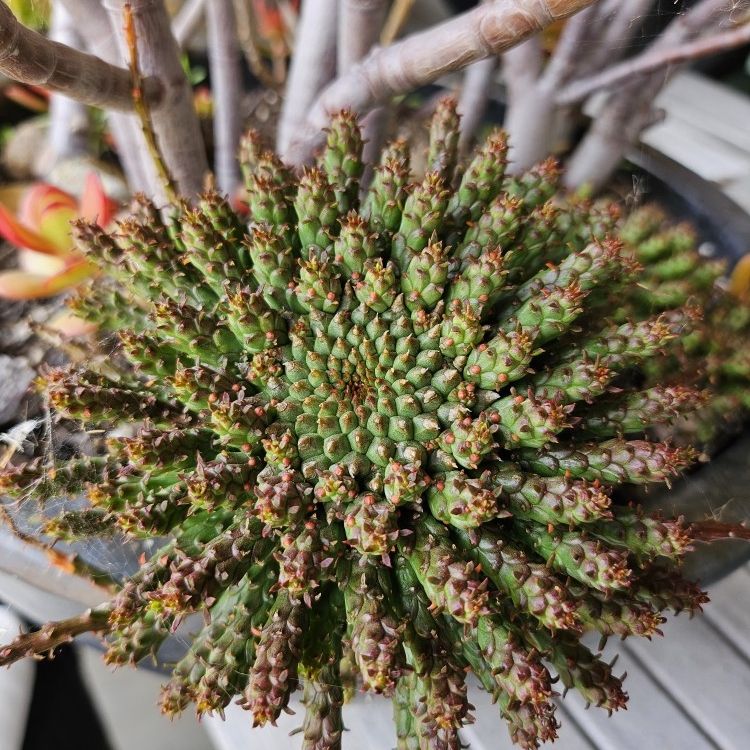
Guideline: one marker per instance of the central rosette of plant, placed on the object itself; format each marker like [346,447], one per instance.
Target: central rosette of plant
[381,432]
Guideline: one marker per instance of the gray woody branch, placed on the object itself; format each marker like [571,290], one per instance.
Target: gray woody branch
[423,57]
[28,57]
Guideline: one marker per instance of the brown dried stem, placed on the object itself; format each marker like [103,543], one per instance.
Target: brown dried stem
[142,109]
[175,121]
[249,45]
[397,17]
[54,634]
[711,531]
[29,57]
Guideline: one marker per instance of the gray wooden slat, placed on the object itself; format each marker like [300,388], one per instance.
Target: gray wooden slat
[127,702]
[709,106]
[739,191]
[368,721]
[729,609]
[705,675]
[699,151]
[652,719]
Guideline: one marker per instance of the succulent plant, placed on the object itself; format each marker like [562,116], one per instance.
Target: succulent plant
[379,430]
[711,357]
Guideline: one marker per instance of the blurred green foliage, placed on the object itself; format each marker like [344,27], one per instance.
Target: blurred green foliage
[33,13]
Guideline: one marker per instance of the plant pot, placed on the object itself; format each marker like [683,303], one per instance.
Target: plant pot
[719,490]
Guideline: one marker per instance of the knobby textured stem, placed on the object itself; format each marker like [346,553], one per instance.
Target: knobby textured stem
[54,634]
[68,119]
[93,24]
[423,57]
[224,64]
[654,60]
[29,57]
[313,66]
[175,121]
[188,20]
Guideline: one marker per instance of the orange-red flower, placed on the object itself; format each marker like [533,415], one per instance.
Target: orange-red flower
[37,221]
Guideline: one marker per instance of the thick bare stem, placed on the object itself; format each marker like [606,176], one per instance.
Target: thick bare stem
[175,121]
[313,66]
[530,115]
[568,49]
[360,22]
[68,119]
[623,22]
[93,24]
[224,64]
[654,60]
[54,634]
[473,100]
[188,20]
[29,57]
[423,57]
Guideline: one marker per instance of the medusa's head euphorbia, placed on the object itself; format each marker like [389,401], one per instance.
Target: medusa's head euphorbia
[381,431]
[36,219]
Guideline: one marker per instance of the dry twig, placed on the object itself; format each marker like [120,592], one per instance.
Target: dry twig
[249,44]
[142,109]
[175,122]
[397,17]
[652,61]
[54,634]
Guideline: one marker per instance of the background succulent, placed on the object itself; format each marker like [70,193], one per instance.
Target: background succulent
[380,431]
[712,357]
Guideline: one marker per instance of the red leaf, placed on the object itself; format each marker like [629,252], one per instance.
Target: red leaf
[95,205]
